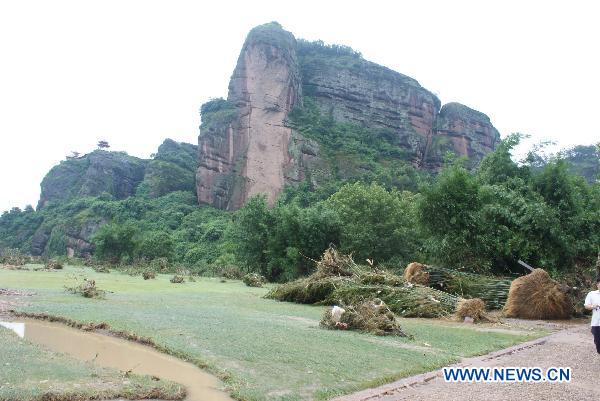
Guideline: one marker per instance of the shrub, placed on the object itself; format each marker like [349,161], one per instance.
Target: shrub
[86,289]
[254,280]
[149,275]
[113,241]
[231,272]
[156,244]
[12,256]
[53,264]
[160,264]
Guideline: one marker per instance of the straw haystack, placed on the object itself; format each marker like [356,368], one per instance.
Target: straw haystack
[475,309]
[537,296]
[415,273]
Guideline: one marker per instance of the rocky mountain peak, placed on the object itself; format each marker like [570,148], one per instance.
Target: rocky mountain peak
[247,146]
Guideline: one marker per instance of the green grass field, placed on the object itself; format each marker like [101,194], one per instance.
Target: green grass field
[266,349]
[29,372]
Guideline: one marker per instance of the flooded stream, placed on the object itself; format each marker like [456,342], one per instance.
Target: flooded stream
[121,354]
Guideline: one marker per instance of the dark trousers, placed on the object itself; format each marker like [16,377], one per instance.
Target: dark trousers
[596,333]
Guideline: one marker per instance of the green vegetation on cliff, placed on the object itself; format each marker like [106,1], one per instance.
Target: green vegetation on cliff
[100,172]
[173,168]
[584,161]
[352,152]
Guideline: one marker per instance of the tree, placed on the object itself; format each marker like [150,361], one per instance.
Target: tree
[103,145]
[298,234]
[156,244]
[448,215]
[497,167]
[251,229]
[73,155]
[113,241]
[375,223]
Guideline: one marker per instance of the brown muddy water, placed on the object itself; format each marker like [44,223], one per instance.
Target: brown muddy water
[116,353]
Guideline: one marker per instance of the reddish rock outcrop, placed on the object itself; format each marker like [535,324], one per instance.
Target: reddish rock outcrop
[247,147]
[463,131]
[249,154]
[361,92]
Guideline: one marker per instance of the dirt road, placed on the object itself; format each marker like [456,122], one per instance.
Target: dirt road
[572,346]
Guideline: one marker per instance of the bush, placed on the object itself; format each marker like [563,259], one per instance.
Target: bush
[231,272]
[149,275]
[86,289]
[12,256]
[254,280]
[375,223]
[53,264]
[156,244]
[160,264]
[114,241]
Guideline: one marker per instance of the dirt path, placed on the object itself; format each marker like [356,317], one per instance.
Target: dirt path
[571,346]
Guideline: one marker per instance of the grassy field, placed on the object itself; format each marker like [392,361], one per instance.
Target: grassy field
[29,372]
[266,349]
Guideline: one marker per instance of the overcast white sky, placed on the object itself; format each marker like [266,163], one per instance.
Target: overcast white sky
[136,72]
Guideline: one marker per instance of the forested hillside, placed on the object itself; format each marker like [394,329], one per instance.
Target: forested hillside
[483,220]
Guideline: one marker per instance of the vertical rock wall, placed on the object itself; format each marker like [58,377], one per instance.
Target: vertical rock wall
[249,155]
[463,131]
[358,91]
[246,147]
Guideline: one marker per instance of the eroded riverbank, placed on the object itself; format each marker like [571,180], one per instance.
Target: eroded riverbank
[127,356]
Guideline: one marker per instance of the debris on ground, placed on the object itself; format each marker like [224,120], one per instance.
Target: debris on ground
[230,273]
[338,280]
[149,275]
[580,279]
[415,273]
[87,289]
[372,316]
[473,311]
[11,267]
[160,264]
[177,279]
[335,264]
[408,300]
[13,257]
[537,296]
[101,269]
[492,290]
[254,280]
[53,264]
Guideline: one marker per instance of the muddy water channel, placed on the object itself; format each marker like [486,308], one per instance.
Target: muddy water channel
[123,355]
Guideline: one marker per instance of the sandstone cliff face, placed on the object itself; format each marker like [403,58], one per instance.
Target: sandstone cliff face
[74,240]
[461,130]
[247,147]
[358,91]
[252,148]
[115,173]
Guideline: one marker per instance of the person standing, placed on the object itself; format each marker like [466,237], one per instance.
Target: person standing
[592,302]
